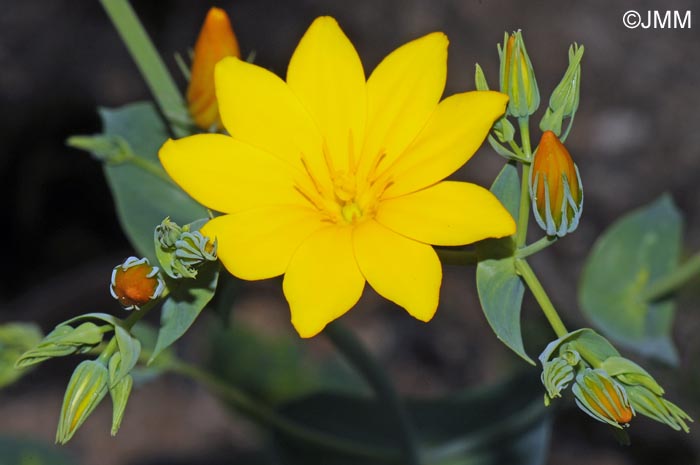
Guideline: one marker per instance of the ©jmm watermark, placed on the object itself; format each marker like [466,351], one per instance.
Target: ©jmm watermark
[655,19]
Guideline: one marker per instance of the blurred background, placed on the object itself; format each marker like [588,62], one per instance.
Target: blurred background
[635,136]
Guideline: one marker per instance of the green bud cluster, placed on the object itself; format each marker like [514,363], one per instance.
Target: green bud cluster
[182,250]
[605,385]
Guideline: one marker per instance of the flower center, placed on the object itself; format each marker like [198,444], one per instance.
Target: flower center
[351,197]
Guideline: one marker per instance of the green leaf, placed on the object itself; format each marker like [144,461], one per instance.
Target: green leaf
[143,198]
[186,301]
[503,424]
[635,251]
[237,353]
[15,451]
[499,286]
[15,339]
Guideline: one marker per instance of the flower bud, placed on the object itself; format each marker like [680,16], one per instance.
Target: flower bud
[216,41]
[565,98]
[517,76]
[555,187]
[135,283]
[119,391]
[656,407]
[602,398]
[556,376]
[86,389]
[167,233]
[181,251]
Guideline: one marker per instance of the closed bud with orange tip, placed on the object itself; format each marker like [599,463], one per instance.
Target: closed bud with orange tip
[555,187]
[603,398]
[216,41]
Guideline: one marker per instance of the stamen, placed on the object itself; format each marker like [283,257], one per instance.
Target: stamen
[328,159]
[352,161]
[311,175]
[373,175]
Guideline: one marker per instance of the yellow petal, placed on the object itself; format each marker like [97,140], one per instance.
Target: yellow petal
[258,243]
[453,134]
[322,281]
[326,74]
[402,270]
[402,92]
[227,175]
[448,213]
[258,107]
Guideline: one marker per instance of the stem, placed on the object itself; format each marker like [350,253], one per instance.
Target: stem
[450,256]
[149,167]
[541,296]
[516,149]
[149,62]
[264,415]
[128,324]
[358,356]
[524,125]
[535,247]
[524,211]
[673,281]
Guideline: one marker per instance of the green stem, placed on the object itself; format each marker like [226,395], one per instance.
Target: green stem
[149,167]
[149,62]
[357,355]
[524,210]
[541,296]
[450,256]
[129,323]
[266,416]
[524,126]
[516,149]
[535,247]
[673,281]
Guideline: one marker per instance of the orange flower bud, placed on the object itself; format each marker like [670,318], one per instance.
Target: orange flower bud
[216,41]
[135,283]
[603,398]
[555,187]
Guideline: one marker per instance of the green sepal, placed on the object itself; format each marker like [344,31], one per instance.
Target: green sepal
[63,340]
[556,376]
[629,373]
[591,346]
[86,389]
[119,390]
[569,211]
[657,408]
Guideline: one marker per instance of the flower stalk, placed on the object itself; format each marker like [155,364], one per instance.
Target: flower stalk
[673,281]
[541,296]
[357,355]
[149,62]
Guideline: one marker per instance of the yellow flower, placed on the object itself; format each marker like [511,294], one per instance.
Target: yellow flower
[216,40]
[334,180]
